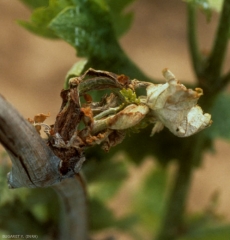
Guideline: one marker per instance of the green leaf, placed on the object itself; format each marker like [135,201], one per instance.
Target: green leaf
[127,223]
[221,118]
[8,195]
[87,27]
[76,70]
[210,233]
[149,200]
[27,211]
[208,224]
[42,16]
[16,219]
[105,177]
[100,215]
[44,204]
[30,215]
[35,4]
[121,20]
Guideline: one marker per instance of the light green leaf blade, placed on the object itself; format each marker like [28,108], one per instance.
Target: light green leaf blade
[75,70]
[216,4]
[42,16]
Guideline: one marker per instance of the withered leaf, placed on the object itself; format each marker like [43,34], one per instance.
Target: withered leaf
[175,107]
[39,118]
[128,117]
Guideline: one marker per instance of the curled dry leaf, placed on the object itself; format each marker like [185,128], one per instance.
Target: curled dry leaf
[87,115]
[38,120]
[128,117]
[113,139]
[175,106]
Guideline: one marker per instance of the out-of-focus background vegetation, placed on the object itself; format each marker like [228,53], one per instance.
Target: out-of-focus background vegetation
[32,72]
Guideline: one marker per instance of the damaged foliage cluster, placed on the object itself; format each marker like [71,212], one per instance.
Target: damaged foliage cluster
[102,108]
[82,122]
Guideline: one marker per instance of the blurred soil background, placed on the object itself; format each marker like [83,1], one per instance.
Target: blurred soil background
[32,71]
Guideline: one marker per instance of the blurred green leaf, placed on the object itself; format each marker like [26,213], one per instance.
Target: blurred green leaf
[42,16]
[216,4]
[221,118]
[15,218]
[208,224]
[38,213]
[100,216]
[105,177]
[27,211]
[121,20]
[126,223]
[8,195]
[45,200]
[211,233]
[35,4]
[148,202]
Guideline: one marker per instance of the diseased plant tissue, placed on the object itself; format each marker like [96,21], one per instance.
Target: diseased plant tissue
[175,107]
[82,122]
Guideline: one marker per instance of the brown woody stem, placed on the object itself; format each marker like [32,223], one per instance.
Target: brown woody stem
[34,164]
[74,221]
